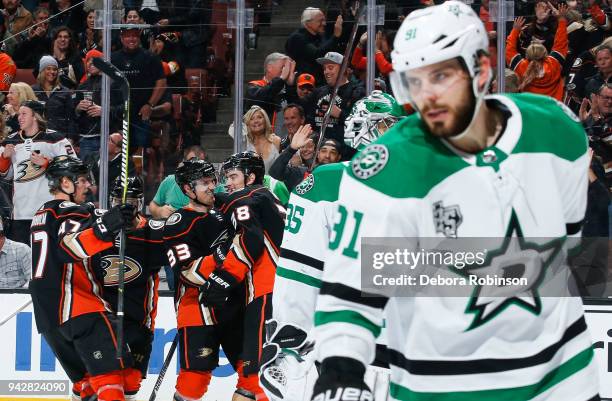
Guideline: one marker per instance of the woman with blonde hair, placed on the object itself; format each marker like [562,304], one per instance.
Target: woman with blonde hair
[18,93]
[260,137]
[540,72]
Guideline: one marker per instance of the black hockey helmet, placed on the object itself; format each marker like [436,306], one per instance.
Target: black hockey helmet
[192,170]
[248,162]
[135,192]
[65,166]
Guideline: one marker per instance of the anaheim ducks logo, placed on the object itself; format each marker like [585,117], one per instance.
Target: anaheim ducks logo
[110,265]
[28,171]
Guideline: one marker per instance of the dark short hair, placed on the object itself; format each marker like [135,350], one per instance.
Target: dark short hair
[299,108]
[197,149]
[315,137]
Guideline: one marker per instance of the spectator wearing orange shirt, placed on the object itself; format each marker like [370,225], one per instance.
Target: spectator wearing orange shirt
[540,72]
[8,69]
[382,55]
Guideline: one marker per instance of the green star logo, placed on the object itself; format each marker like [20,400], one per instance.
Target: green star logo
[516,258]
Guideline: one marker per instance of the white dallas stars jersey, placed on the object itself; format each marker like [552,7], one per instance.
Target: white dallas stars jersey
[531,183]
[307,230]
[31,188]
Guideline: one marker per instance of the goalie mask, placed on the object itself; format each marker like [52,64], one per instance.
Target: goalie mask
[371,117]
[134,196]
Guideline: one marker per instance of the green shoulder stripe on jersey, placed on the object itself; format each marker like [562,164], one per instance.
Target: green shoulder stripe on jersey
[278,188]
[297,276]
[324,184]
[548,127]
[346,316]
[525,393]
[416,161]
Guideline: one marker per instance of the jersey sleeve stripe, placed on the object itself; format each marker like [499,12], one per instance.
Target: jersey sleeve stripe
[353,295]
[524,393]
[515,61]
[187,230]
[302,259]
[297,276]
[573,228]
[191,275]
[346,316]
[558,56]
[482,366]
[85,243]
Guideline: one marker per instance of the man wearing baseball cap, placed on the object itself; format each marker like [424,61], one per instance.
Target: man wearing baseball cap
[305,85]
[28,152]
[145,74]
[348,93]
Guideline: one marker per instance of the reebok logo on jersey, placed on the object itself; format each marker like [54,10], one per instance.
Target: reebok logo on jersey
[345,394]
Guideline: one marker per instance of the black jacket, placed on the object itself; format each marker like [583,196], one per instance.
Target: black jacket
[282,171]
[305,48]
[59,109]
[270,96]
[29,51]
[90,126]
[319,101]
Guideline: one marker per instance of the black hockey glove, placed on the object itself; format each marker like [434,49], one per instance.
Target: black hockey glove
[217,288]
[221,251]
[107,226]
[341,379]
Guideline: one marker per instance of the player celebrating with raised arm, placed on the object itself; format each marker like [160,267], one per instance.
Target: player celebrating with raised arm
[190,234]
[70,311]
[257,218]
[309,226]
[471,166]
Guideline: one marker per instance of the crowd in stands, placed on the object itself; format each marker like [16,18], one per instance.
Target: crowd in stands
[558,49]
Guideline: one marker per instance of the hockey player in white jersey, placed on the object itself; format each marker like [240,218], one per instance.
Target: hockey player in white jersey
[24,157]
[466,165]
[298,274]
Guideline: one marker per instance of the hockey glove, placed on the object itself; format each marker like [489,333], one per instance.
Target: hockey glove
[283,368]
[341,379]
[107,226]
[217,288]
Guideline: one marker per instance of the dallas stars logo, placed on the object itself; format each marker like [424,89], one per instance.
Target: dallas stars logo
[516,258]
[370,161]
[455,10]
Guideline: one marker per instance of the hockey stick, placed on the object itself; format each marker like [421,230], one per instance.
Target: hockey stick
[12,315]
[116,75]
[162,372]
[360,10]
